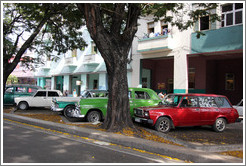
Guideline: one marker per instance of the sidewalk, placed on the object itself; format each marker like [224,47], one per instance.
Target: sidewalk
[188,152]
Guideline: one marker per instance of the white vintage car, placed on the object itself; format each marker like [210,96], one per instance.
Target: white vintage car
[239,108]
[42,98]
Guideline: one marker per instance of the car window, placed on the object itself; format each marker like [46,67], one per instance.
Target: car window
[172,100]
[32,90]
[99,94]
[222,102]
[41,94]
[205,101]
[141,95]
[189,101]
[53,94]
[9,89]
[20,89]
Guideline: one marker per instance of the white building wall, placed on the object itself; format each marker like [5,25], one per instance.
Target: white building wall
[179,43]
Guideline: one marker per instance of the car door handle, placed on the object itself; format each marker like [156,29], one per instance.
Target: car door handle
[197,109]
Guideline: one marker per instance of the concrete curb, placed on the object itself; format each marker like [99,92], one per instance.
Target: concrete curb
[182,153]
[207,148]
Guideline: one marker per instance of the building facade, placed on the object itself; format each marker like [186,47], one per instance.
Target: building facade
[164,58]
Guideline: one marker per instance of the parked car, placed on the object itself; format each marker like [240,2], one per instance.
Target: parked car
[188,110]
[18,90]
[66,104]
[95,109]
[42,98]
[239,108]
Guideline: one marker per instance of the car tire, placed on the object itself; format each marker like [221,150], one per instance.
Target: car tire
[23,105]
[219,125]
[68,111]
[163,124]
[93,116]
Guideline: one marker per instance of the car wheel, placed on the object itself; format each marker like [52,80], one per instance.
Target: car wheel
[93,116]
[23,105]
[219,125]
[163,125]
[68,111]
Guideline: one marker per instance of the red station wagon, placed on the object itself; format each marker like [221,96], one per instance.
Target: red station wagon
[188,110]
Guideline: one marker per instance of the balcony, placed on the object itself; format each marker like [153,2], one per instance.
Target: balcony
[223,39]
[91,59]
[153,45]
[70,61]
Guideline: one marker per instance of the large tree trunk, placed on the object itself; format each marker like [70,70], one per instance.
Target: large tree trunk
[118,115]
[114,47]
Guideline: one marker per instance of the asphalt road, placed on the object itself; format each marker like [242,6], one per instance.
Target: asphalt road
[26,144]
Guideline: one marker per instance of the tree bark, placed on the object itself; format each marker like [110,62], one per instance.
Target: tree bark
[114,47]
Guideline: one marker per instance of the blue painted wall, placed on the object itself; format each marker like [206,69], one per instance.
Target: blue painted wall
[223,39]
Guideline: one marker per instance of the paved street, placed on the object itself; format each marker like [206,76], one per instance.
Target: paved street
[26,144]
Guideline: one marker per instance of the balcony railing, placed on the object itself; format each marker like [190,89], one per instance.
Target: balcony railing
[91,59]
[154,44]
[70,61]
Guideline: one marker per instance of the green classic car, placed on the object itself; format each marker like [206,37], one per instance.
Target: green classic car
[94,109]
[18,90]
[66,104]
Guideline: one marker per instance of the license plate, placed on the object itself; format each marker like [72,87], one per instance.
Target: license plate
[137,119]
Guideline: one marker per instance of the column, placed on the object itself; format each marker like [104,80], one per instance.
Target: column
[53,82]
[102,81]
[66,83]
[180,74]
[83,82]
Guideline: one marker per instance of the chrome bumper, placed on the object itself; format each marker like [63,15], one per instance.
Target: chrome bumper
[143,120]
[76,113]
[55,108]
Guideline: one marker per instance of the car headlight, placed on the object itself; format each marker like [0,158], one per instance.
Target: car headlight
[146,113]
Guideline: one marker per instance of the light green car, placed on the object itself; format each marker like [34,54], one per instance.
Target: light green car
[95,109]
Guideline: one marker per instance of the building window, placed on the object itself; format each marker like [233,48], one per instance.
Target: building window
[232,14]
[94,48]
[230,81]
[191,78]
[150,27]
[164,28]
[204,23]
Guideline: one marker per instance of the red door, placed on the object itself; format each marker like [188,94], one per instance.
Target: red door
[189,112]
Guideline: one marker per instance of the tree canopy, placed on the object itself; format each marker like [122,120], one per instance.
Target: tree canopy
[49,27]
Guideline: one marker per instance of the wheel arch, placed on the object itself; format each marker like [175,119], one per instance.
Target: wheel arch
[171,120]
[95,109]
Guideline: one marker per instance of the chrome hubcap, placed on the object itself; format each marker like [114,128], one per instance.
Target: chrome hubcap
[94,117]
[220,125]
[164,125]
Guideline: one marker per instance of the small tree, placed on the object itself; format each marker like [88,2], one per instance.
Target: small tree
[48,27]
[12,80]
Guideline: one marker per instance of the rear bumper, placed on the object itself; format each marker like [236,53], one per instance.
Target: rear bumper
[239,119]
[143,120]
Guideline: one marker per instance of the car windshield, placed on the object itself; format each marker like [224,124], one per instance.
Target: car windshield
[85,94]
[172,100]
